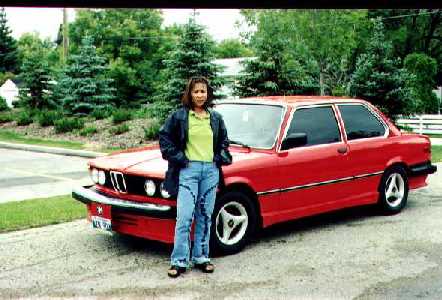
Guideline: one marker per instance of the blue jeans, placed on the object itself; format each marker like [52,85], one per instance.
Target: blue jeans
[196,198]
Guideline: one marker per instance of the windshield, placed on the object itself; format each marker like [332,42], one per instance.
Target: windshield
[255,125]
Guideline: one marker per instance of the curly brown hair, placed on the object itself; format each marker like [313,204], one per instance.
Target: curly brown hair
[187,96]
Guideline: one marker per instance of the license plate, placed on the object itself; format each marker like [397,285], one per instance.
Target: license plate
[101,223]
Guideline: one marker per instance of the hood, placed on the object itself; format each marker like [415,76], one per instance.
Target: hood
[150,162]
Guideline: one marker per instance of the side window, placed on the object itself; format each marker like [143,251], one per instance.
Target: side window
[319,123]
[360,122]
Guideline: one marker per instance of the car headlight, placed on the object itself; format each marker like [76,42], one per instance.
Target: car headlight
[149,187]
[94,175]
[101,177]
[164,193]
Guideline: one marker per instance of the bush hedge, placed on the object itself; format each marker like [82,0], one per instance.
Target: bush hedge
[121,115]
[24,118]
[68,124]
[3,105]
[48,117]
[88,131]
[119,129]
[6,117]
[99,114]
[151,132]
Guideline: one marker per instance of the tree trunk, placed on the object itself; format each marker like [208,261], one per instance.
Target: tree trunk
[321,83]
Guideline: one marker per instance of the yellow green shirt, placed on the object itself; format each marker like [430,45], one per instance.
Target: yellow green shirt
[199,145]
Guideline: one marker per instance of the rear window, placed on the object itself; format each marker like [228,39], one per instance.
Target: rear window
[360,123]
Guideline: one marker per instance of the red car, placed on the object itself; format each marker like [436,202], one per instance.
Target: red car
[293,157]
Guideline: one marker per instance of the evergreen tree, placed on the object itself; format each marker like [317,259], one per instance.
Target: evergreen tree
[424,69]
[277,70]
[83,85]
[192,57]
[35,76]
[378,77]
[8,47]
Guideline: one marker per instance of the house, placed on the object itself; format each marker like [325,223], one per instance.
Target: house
[232,69]
[9,91]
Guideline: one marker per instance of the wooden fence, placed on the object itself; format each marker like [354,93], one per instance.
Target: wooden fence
[423,124]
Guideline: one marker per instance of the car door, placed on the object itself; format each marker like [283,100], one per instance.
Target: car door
[313,176]
[369,150]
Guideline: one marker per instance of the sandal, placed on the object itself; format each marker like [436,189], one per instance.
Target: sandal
[175,271]
[206,267]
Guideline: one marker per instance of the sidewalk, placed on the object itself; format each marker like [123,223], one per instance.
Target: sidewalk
[92,154]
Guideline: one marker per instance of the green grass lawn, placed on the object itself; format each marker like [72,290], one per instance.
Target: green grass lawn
[436,153]
[20,215]
[13,137]
[10,136]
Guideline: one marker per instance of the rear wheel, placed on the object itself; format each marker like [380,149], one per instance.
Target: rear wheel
[393,190]
[234,220]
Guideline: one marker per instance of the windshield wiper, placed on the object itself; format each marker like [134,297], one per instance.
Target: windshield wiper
[239,143]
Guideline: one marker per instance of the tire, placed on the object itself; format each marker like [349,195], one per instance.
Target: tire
[393,190]
[234,220]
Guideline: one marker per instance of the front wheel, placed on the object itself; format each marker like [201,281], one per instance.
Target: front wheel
[393,190]
[234,220]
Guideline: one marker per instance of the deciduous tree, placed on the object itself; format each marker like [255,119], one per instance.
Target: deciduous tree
[379,77]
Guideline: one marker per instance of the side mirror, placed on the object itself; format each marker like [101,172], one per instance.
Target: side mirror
[294,140]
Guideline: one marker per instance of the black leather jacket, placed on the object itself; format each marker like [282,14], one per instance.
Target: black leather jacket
[173,138]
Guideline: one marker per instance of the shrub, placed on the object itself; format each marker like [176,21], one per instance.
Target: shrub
[88,131]
[24,118]
[68,124]
[151,132]
[5,118]
[121,115]
[3,105]
[48,117]
[119,129]
[101,113]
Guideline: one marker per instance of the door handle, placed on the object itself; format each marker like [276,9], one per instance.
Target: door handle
[342,149]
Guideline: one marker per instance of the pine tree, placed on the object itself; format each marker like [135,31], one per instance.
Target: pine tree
[378,77]
[8,47]
[277,70]
[192,57]
[83,86]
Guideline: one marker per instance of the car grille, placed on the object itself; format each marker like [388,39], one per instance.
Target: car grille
[129,184]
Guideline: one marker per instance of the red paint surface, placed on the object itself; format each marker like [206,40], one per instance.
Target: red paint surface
[267,170]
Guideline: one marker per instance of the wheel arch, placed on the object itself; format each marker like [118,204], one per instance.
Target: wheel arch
[391,165]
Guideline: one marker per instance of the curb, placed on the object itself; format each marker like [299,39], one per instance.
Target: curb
[53,150]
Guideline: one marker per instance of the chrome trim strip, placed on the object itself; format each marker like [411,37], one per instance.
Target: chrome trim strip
[93,196]
[298,187]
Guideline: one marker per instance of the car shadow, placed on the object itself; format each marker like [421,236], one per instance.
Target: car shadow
[306,224]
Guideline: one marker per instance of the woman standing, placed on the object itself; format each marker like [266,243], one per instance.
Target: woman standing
[194,141]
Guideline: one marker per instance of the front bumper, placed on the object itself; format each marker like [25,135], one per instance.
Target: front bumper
[88,194]
[146,220]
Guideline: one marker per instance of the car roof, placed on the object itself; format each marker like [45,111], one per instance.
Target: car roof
[294,100]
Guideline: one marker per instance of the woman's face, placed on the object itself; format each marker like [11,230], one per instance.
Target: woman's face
[199,94]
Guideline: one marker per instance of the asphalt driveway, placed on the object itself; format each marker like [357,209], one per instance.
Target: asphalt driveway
[351,254]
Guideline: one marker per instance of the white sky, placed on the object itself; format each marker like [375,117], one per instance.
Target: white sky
[220,23]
